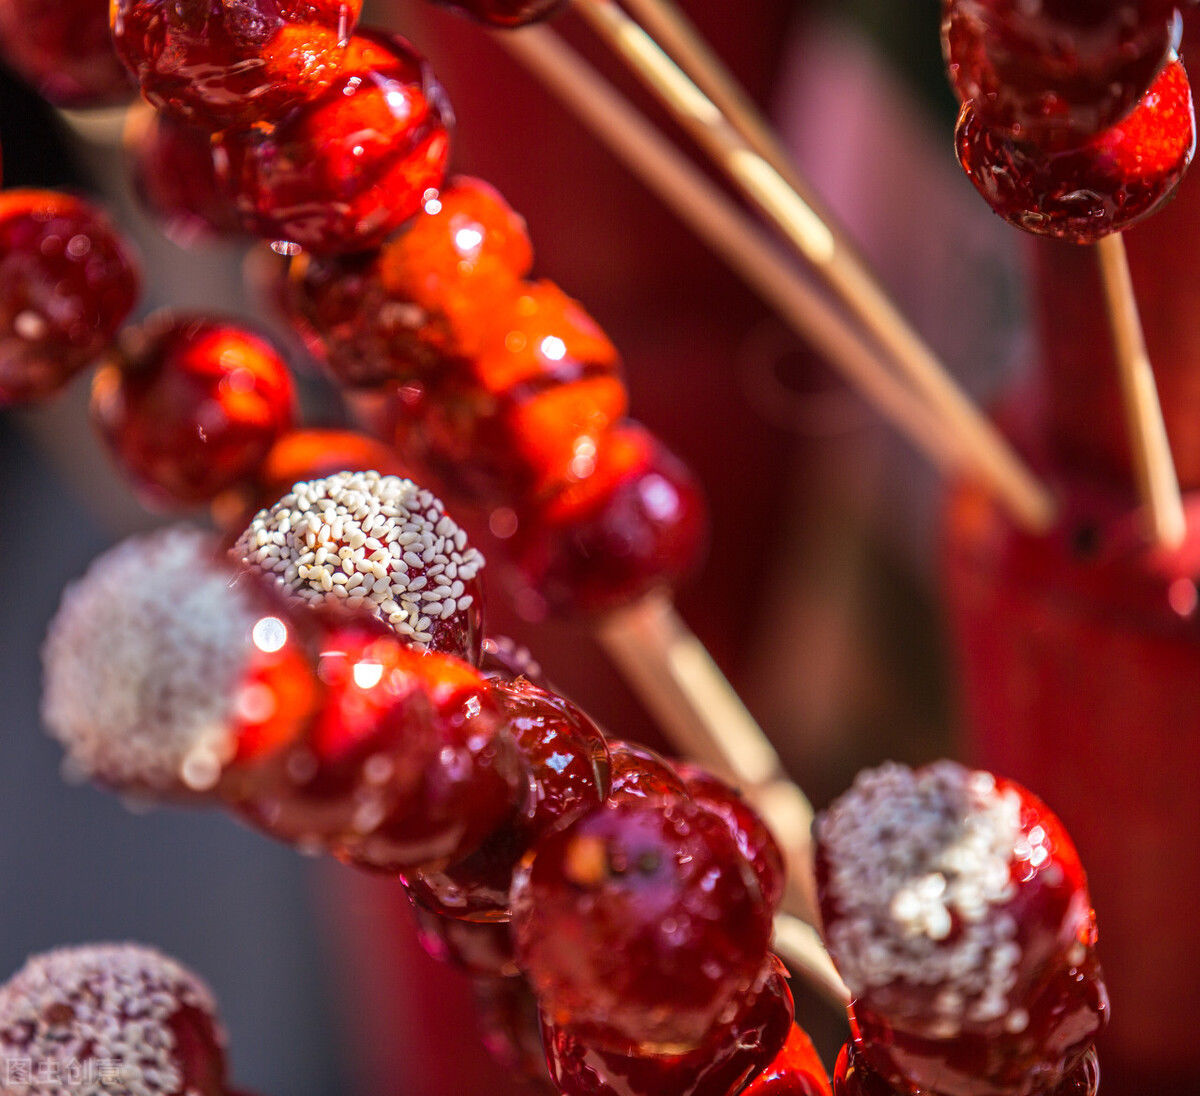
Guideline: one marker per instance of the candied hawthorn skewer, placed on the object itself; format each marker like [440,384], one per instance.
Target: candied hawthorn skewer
[1085,182]
[956,909]
[103,1017]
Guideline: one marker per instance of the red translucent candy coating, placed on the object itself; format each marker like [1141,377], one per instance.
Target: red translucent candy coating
[567,765]
[853,1076]
[1101,186]
[526,415]
[344,171]
[482,948]
[299,456]
[174,177]
[733,1050]
[1025,1024]
[191,406]
[505,13]
[635,521]
[232,65]
[504,659]
[757,844]
[795,1071]
[67,282]
[427,294]
[64,50]
[510,1027]
[640,773]
[402,765]
[639,923]
[1058,72]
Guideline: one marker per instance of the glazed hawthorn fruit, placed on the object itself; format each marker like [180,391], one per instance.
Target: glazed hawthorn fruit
[795,1071]
[504,13]
[232,65]
[345,170]
[523,417]
[1103,185]
[67,283]
[956,910]
[638,923]
[1058,72]
[123,1014]
[405,762]
[566,762]
[481,948]
[174,178]
[750,832]
[510,1027]
[735,1049]
[633,522]
[378,543]
[638,772]
[191,405]
[427,295]
[854,1077]
[63,49]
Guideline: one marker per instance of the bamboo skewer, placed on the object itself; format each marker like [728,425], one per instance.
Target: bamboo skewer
[799,946]
[992,457]
[1153,464]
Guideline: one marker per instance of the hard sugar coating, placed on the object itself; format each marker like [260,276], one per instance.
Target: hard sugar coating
[64,50]
[736,1048]
[1055,73]
[523,415]
[639,923]
[174,177]
[341,173]
[232,64]
[142,663]
[795,1071]
[633,520]
[566,764]
[67,282]
[853,1076]
[426,297]
[191,407]
[1084,192]
[379,543]
[121,1016]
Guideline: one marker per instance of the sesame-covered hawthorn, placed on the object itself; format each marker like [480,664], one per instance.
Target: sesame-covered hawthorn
[425,296]
[957,912]
[638,924]
[380,543]
[1088,190]
[566,762]
[158,664]
[345,170]
[747,1037]
[232,64]
[67,282]
[1057,72]
[109,1018]
[191,405]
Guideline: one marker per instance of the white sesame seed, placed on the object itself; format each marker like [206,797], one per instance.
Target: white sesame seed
[394,534]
